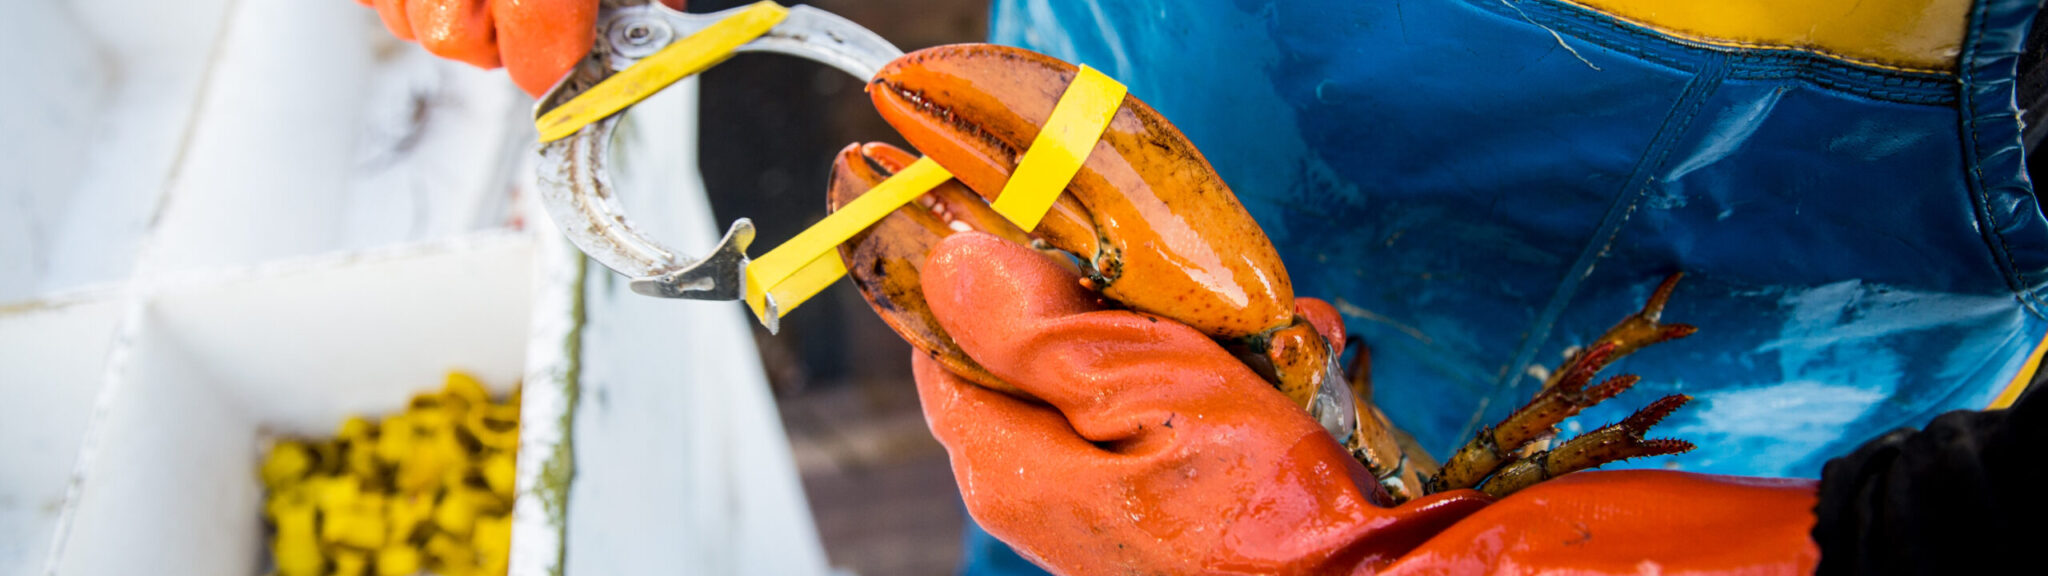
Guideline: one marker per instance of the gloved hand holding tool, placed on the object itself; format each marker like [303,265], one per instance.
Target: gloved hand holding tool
[537,41]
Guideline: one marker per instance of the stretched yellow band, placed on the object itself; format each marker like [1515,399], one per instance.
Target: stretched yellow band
[805,265]
[1076,124]
[688,56]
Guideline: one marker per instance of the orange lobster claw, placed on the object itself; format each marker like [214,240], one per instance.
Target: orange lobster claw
[1162,231]
[1154,226]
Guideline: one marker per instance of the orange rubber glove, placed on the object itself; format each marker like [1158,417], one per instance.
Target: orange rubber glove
[537,41]
[1156,452]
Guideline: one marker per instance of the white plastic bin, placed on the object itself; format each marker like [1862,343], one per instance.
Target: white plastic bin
[238,218]
[168,486]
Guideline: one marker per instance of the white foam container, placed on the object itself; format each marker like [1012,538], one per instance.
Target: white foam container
[227,219]
[209,370]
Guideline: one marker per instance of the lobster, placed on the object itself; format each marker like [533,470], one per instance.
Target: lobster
[1148,224]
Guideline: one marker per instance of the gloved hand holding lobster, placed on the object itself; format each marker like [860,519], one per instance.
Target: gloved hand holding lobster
[1156,451]
[1100,421]
[1131,385]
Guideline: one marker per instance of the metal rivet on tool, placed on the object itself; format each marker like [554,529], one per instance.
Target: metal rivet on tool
[639,37]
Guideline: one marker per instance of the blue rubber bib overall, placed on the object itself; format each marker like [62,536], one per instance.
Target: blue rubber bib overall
[1483,185]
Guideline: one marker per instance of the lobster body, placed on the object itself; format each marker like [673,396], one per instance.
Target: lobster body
[1151,226]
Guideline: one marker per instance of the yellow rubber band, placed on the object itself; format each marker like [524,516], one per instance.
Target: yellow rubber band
[803,259]
[2019,381]
[679,60]
[1076,124]
[799,287]
[805,265]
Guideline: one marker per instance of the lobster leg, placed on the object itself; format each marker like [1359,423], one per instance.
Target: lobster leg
[1378,447]
[1564,394]
[1613,443]
[1394,461]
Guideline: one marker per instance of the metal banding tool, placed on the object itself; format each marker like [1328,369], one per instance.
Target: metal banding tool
[576,132]
[644,48]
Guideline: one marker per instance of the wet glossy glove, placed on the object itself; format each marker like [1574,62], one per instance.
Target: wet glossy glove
[1155,451]
[537,41]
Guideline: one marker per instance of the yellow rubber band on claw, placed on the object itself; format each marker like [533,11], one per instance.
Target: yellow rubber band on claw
[1076,124]
[798,288]
[801,268]
[682,59]
[809,262]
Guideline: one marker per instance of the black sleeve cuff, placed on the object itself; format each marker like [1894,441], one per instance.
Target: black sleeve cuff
[1963,496]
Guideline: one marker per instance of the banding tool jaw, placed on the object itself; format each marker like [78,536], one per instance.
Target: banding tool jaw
[641,48]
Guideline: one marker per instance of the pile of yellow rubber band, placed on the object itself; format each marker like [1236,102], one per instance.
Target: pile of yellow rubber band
[429,489]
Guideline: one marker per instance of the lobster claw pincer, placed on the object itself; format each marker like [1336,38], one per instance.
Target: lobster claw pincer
[886,260]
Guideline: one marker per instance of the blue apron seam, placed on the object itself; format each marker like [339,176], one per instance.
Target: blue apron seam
[1890,87]
[2002,250]
[1712,71]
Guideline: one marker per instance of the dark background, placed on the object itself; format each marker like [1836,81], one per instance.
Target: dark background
[878,484]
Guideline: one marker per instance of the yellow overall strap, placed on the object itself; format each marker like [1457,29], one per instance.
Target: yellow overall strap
[800,268]
[688,56]
[1908,35]
[2019,382]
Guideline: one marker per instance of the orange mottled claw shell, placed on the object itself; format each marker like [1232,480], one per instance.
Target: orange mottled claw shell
[886,260]
[1164,233]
